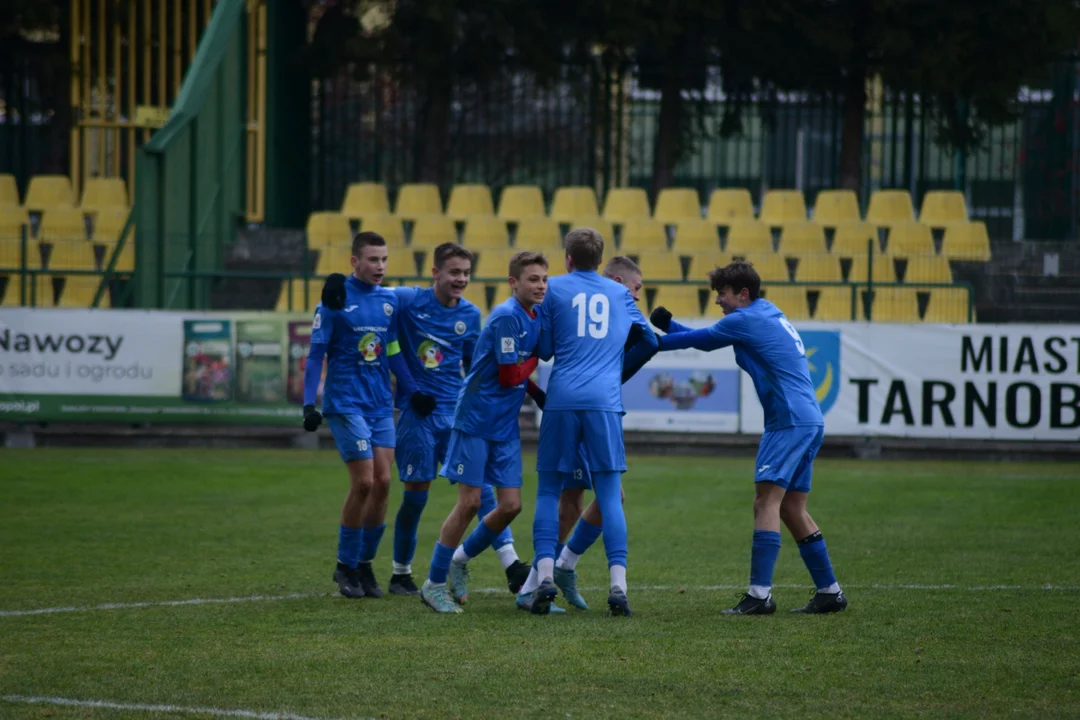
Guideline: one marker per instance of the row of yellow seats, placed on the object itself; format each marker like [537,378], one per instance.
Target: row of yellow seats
[833,304]
[63,223]
[66,255]
[519,202]
[54,191]
[47,291]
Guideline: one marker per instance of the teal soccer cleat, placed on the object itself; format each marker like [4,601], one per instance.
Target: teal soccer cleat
[459,582]
[524,602]
[566,580]
[438,598]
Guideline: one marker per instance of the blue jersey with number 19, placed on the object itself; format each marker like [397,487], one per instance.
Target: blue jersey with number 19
[584,322]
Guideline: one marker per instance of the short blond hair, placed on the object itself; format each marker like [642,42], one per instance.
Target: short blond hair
[585,247]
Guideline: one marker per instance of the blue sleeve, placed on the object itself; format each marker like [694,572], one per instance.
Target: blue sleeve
[545,347]
[648,337]
[506,330]
[730,330]
[405,296]
[320,340]
[400,368]
[468,347]
[636,358]
[677,327]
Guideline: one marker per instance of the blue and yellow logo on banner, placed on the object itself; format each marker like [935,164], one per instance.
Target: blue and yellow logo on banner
[823,356]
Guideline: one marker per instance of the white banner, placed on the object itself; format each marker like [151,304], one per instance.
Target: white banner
[90,352]
[941,381]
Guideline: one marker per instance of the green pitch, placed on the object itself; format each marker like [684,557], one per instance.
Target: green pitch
[84,528]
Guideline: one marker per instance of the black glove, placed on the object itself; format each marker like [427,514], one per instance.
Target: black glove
[661,318]
[333,292]
[633,336]
[312,418]
[422,403]
[539,397]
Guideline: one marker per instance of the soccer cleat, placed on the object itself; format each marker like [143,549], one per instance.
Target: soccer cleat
[524,601]
[542,597]
[566,580]
[348,580]
[458,581]
[516,575]
[618,605]
[371,586]
[403,585]
[823,603]
[750,605]
[437,597]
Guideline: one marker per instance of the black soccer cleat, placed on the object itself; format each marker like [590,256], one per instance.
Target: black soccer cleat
[403,585]
[751,605]
[618,605]
[542,597]
[516,575]
[348,580]
[823,603]
[371,586]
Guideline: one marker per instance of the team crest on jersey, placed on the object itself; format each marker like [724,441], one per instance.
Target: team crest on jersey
[388,309]
[823,357]
[430,354]
[459,327]
[370,347]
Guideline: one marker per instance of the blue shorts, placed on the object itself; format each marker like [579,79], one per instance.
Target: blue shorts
[786,457]
[476,461]
[580,478]
[355,435]
[597,435]
[421,443]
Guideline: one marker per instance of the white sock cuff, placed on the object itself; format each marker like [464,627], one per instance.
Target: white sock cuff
[400,569]
[460,557]
[760,591]
[567,559]
[507,555]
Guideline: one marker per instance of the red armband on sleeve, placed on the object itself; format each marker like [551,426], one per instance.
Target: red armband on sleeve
[511,375]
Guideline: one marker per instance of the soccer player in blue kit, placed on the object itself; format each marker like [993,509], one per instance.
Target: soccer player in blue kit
[485,443]
[355,328]
[586,322]
[437,330]
[770,350]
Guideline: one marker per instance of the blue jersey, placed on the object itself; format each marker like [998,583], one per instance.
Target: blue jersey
[357,341]
[585,319]
[485,408]
[771,352]
[437,343]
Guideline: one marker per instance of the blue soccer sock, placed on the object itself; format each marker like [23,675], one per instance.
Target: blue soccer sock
[609,498]
[369,542]
[440,563]
[546,522]
[487,504]
[479,540]
[585,534]
[408,520]
[348,546]
[763,554]
[816,558]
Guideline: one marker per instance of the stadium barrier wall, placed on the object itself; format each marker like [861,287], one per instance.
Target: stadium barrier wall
[1007,382]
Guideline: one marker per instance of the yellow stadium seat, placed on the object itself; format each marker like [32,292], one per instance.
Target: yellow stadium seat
[12,219]
[314,290]
[518,202]
[771,268]
[884,270]
[675,204]
[694,235]
[726,205]
[574,202]
[431,231]
[966,241]
[62,223]
[834,304]
[888,207]
[600,225]
[941,207]
[540,234]
[72,255]
[909,238]
[556,265]
[476,293]
[389,226]
[40,292]
[947,305]
[9,191]
[502,293]
[325,229]
[894,305]
[658,265]
[832,207]
[853,238]
[494,262]
[468,200]
[78,292]
[927,269]
[485,231]
[622,204]
[101,193]
[417,200]
[109,223]
[748,237]
[791,299]
[364,199]
[683,301]
[703,261]
[802,237]
[818,268]
[11,252]
[48,191]
[782,206]
[642,235]
[125,258]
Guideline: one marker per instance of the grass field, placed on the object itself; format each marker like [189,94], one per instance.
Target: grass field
[963,578]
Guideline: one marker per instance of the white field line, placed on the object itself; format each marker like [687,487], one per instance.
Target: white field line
[140,707]
[502,590]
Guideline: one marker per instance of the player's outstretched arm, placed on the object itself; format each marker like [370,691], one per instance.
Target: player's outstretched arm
[730,330]
[662,320]
[320,340]
[642,343]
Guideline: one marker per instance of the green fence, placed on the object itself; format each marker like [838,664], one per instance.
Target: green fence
[189,198]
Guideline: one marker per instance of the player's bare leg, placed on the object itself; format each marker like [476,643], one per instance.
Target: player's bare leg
[434,592]
[828,597]
[507,507]
[374,519]
[361,474]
